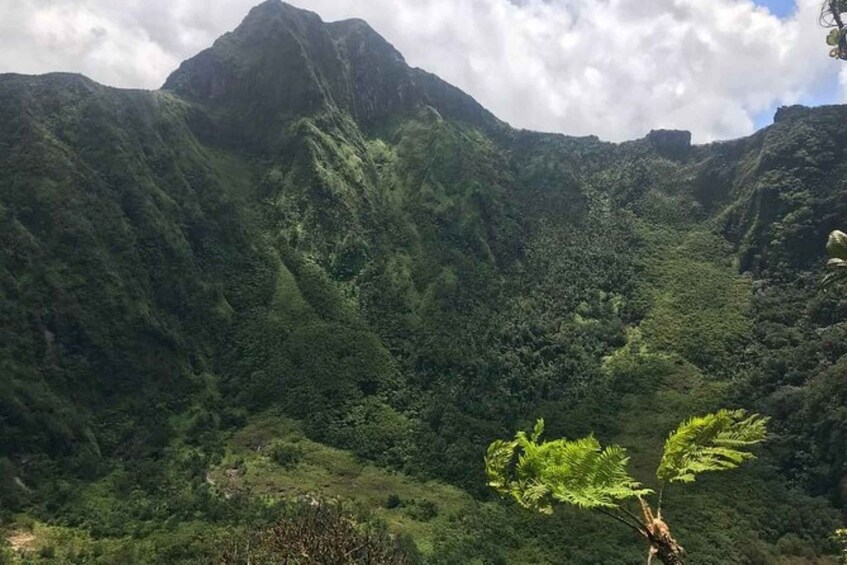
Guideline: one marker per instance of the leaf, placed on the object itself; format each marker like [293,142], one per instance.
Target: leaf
[578,472]
[538,429]
[497,461]
[838,272]
[715,442]
[836,245]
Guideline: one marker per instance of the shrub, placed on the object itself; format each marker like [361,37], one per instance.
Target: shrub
[325,533]
[393,501]
[285,454]
[422,510]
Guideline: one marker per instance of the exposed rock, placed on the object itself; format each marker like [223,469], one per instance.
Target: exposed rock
[787,113]
[21,542]
[670,143]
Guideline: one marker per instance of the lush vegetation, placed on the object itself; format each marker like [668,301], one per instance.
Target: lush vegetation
[303,268]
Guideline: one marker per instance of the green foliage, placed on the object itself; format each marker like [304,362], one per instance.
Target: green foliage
[393,501]
[715,442]
[421,510]
[698,304]
[285,454]
[841,538]
[576,472]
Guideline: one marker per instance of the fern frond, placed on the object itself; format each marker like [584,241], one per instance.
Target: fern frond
[715,442]
[578,472]
[836,245]
[836,248]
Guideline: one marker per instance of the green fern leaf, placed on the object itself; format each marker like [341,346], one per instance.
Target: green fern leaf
[579,472]
[715,442]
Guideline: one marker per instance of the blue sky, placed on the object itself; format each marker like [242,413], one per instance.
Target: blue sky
[781,8]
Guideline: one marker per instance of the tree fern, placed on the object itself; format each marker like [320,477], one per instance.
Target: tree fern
[583,474]
[715,442]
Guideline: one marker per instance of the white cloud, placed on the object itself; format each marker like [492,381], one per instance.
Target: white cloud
[615,68]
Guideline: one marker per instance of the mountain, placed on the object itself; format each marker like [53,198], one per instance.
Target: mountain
[343,67]
[300,241]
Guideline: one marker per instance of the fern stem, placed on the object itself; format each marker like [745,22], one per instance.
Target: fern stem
[659,505]
[637,520]
[620,519]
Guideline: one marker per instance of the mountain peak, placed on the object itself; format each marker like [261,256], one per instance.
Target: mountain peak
[276,10]
[270,6]
[283,62]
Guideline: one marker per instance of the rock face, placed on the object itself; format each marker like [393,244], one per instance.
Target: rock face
[784,113]
[670,142]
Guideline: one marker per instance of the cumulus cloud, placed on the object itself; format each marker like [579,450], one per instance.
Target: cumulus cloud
[615,68]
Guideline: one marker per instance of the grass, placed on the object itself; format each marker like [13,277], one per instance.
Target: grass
[326,472]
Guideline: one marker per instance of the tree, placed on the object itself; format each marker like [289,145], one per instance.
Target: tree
[311,531]
[584,474]
[831,17]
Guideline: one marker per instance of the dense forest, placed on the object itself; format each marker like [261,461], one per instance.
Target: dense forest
[305,275]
